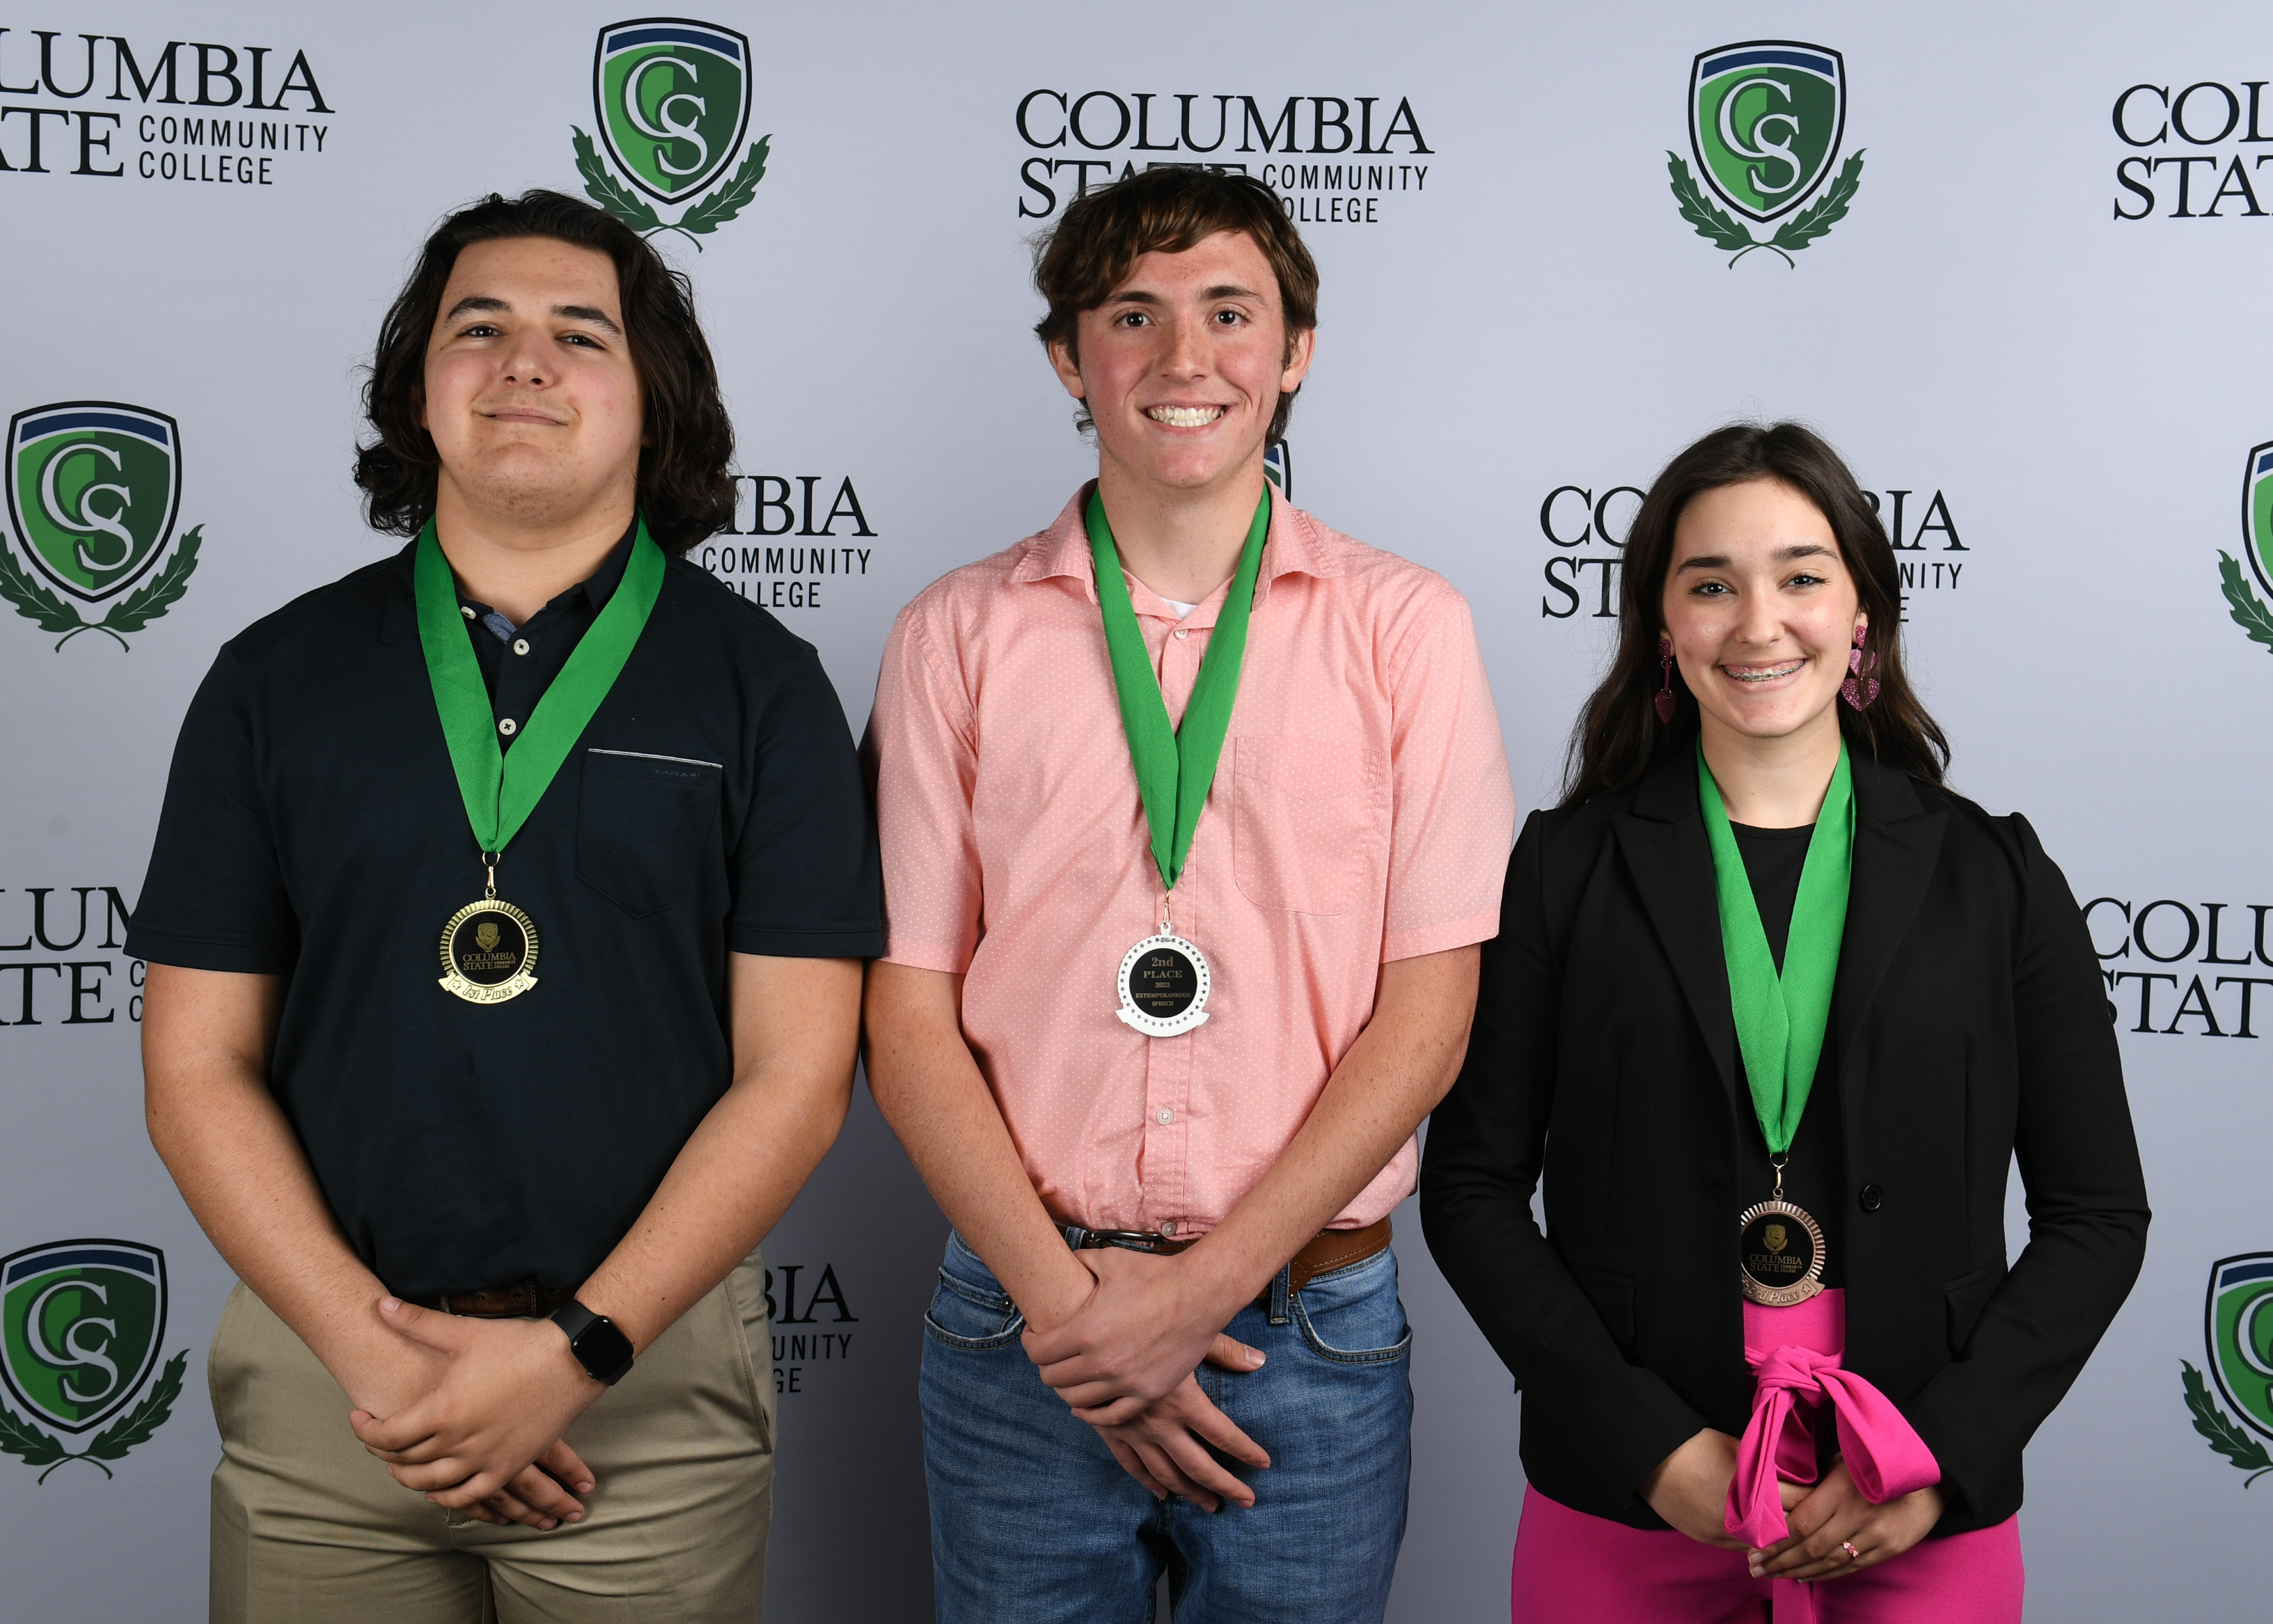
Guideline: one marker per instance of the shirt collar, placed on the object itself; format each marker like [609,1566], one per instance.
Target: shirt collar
[1292,547]
[399,617]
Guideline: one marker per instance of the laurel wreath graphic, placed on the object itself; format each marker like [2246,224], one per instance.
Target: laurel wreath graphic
[138,609]
[2225,1433]
[2248,612]
[699,221]
[1715,225]
[36,1447]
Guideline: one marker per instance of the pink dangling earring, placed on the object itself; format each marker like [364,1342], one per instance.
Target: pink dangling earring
[1664,701]
[1860,688]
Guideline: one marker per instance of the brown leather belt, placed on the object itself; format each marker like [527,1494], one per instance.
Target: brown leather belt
[1325,1252]
[522,1299]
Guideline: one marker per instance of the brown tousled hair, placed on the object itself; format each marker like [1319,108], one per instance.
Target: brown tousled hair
[685,489]
[1102,234]
[1619,737]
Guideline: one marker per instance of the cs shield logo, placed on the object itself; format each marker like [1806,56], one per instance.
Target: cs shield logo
[2248,611]
[93,490]
[81,1324]
[1765,119]
[2238,1327]
[1278,468]
[671,97]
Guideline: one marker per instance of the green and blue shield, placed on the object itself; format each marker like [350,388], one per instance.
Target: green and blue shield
[1765,121]
[2239,1327]
[672,98]
[93,487]
[79,1326]
[1278,468]
[2257,513]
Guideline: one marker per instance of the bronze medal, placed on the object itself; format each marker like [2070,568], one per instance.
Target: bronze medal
[1779,1253]
[488,949]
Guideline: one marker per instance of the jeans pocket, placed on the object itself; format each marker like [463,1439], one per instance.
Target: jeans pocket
[967,1315]
[1354,1316]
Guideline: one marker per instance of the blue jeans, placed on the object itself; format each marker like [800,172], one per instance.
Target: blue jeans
[1033,1522]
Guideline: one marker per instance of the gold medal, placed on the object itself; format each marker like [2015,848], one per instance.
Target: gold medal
[488,949]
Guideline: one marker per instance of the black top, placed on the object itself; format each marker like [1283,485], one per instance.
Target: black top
[313,829]
[520,662]
[1774,861]
[1813,1175]
[1969,1026]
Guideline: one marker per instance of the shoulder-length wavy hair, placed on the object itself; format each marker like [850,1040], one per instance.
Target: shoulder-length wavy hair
[1619,737]
[683,487]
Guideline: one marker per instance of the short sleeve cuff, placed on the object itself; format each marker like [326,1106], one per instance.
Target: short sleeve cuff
[1440,938]
[806,944]
[191,952]
[928,955]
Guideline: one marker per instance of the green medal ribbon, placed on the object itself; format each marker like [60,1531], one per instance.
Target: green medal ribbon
[1780,1018]
[1174,765]
[501,790]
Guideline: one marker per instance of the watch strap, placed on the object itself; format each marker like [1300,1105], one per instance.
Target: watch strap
[602,1349]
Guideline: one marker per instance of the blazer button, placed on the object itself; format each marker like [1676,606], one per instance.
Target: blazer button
[1870,1198]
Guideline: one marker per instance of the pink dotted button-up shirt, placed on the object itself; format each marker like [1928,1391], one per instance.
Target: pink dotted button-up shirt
[1361,812]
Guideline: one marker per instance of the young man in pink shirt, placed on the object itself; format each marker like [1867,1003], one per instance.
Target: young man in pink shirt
[1187,858]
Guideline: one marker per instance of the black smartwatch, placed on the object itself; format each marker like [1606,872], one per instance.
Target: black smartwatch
[603,1351]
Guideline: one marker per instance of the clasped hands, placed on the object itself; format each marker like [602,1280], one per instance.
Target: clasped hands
[476,1410]
[1124,1361]
[1689,1490]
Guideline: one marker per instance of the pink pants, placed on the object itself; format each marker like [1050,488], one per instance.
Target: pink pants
[1573,1568]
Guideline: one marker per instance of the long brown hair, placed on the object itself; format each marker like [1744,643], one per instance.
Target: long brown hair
[685,490]
[1619,737]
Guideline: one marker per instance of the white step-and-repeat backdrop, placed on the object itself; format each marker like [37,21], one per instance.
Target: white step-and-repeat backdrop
[2005,258]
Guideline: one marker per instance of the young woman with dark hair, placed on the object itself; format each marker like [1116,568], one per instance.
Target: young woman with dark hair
[1773,1011]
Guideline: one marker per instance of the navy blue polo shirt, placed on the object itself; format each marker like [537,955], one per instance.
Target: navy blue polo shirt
[313,829]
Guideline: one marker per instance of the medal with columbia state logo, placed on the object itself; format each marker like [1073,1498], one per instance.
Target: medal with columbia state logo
[488,947]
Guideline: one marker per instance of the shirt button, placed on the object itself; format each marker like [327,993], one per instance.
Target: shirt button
[509,727]
[1166,1117]
[468,613]
[1870,1198]
[1182,633]
[521,644]
[1168,1227]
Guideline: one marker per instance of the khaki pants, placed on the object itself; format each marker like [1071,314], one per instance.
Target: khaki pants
[307,1526]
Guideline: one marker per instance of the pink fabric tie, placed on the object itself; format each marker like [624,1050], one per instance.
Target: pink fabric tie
[1795,1355]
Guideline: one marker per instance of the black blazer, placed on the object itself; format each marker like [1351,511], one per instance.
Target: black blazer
[1969,1023]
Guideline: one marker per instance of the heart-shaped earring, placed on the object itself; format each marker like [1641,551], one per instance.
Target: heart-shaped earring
[1665,700]
[1860,689]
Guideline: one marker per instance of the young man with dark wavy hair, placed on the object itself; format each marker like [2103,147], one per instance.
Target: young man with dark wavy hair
[500,1350]
[1188,751]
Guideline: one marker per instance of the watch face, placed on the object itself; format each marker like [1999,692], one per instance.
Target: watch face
[603,1351]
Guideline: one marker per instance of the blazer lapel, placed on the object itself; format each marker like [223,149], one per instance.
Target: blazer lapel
[1664,839]
[1897,842]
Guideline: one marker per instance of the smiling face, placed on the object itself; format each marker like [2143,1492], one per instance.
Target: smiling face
[530,393]
[1761,609]
[1182,366]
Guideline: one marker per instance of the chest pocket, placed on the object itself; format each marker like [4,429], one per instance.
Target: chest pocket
[1304,828]
[644,824]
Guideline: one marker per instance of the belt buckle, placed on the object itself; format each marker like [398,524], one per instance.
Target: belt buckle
[1128,1240]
